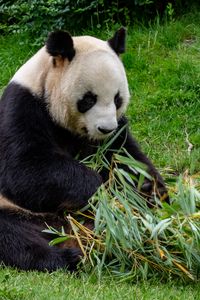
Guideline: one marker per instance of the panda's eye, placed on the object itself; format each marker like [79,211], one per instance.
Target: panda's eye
[118,101]
[87,102]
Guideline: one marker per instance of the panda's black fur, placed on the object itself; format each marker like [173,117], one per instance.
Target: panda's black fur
[39,175]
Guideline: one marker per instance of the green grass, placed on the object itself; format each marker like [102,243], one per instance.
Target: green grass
[163,68]
[61,286]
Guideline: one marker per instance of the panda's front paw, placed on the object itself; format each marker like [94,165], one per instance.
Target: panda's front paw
[150,189]
[94,181]
[87,183]
[81,186]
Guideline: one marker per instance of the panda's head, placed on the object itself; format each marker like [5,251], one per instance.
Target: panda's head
[84,82]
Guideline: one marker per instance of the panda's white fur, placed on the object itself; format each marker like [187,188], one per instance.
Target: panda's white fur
[96,68]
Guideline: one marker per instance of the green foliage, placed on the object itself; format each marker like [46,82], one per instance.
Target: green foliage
[33,16]
[40,16]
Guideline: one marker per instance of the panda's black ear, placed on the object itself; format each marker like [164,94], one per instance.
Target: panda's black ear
[60,43]
[118,41]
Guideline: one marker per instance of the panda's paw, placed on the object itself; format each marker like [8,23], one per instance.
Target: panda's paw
[71,258]
[92,182]
[152,189]
[85,187]
[54,259]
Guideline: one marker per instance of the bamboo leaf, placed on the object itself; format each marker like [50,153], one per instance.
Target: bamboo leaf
[58,240]
[160,227]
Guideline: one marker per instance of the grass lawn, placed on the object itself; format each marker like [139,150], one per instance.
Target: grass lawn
[62,286]
[163,68]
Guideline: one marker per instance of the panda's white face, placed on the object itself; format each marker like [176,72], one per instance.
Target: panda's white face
[86,94]
[93,90]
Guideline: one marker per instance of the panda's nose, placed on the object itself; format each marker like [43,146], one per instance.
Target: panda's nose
[105,130]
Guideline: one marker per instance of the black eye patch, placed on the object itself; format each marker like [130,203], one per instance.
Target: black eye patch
[87,102]
[118,101]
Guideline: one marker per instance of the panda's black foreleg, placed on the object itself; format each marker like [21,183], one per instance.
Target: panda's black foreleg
[23,246]
[50,183]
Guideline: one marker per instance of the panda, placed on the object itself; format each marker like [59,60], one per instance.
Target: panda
[63,102]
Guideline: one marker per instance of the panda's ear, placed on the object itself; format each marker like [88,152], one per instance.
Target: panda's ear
[118,41]
[60,44]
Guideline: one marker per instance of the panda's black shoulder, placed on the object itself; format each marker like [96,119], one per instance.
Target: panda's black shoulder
[19,103]
[24,119]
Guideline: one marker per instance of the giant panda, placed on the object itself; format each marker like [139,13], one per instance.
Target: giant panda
[64,101]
